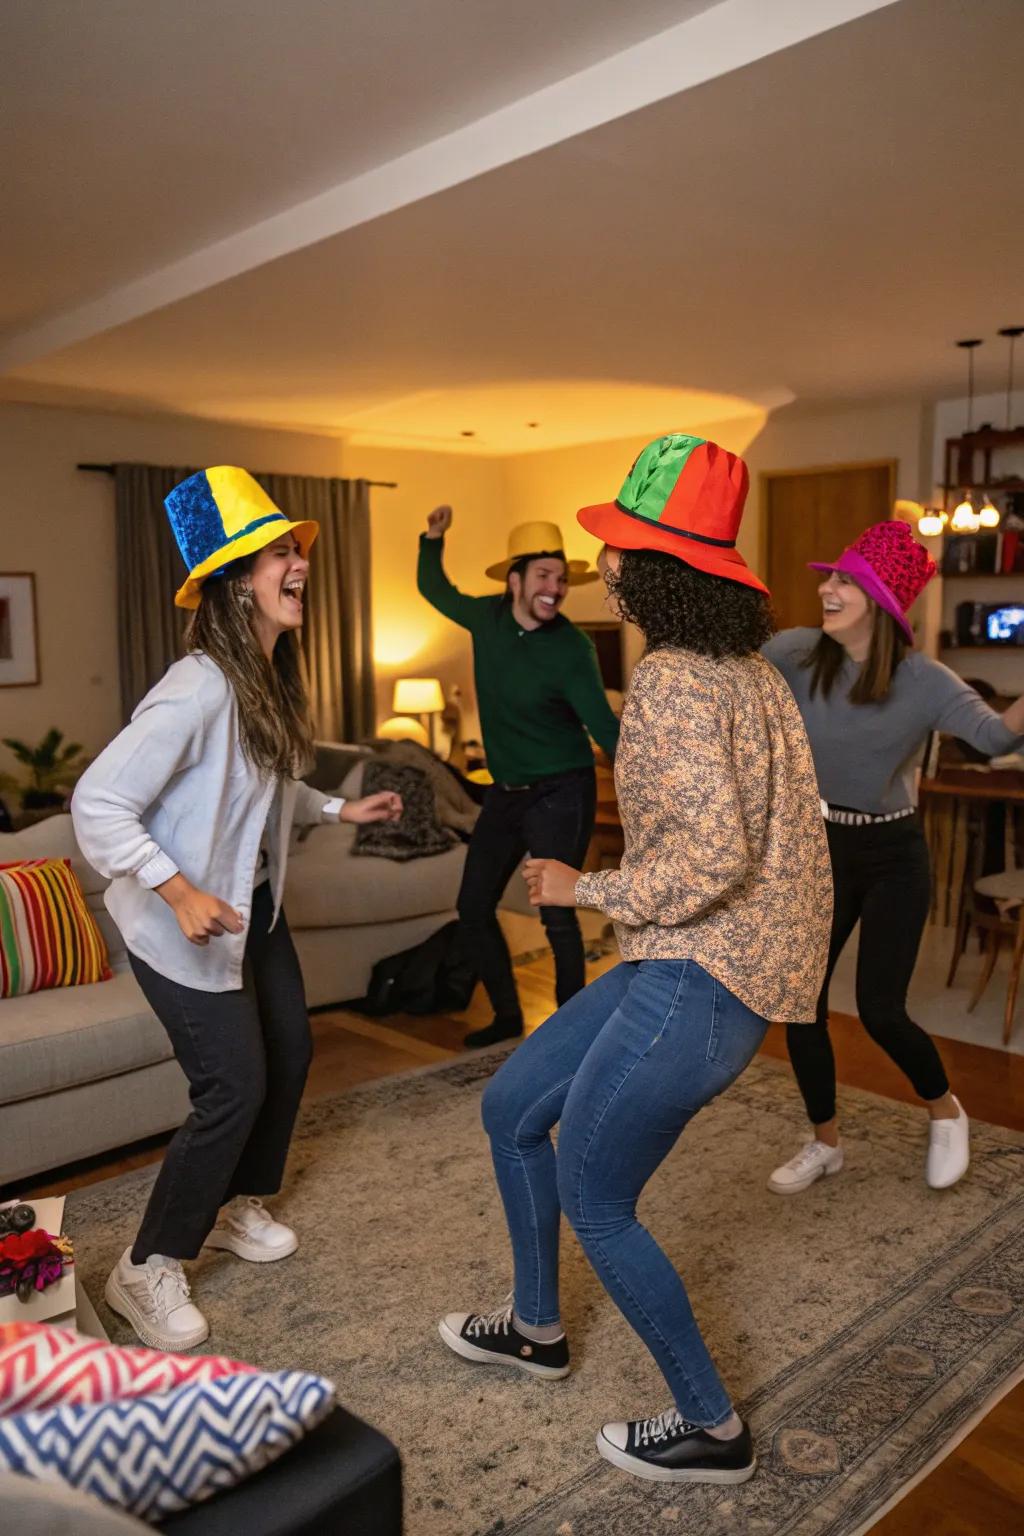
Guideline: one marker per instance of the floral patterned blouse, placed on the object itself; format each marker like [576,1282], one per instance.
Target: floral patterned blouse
[726,861]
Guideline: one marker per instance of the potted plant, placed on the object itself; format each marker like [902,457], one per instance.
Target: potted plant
[53,768]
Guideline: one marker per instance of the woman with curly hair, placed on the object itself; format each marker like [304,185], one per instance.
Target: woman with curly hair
[721,908]
[188,813]
[869,701]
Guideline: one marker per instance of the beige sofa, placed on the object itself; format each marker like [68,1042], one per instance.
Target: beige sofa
[86,1069]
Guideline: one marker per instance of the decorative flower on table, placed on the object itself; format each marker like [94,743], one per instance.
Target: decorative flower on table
[30,1261]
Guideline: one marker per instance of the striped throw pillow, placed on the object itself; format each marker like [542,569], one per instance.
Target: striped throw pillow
[48,936]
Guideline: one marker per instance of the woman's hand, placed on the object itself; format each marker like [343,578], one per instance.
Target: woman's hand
[384,806]
[438,522]
[550,883]
[201,917]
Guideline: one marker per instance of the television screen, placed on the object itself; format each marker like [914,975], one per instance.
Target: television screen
[1005,626]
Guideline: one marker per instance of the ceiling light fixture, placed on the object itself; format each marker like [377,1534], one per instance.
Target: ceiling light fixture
[931,523]
[969,347]
[1011,332]
[965,519]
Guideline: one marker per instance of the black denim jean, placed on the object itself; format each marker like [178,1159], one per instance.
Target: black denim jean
[881,878]
[246,1055]
[552,819]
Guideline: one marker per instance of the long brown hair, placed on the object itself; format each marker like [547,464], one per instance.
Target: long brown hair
[872,683]
[273,710]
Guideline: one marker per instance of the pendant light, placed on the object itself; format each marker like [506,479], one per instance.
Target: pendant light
[931,523]
[1011,332]
[965,519]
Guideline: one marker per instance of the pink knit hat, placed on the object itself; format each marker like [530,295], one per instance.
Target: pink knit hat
[889,565]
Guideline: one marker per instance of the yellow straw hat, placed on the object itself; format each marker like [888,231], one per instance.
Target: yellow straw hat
[529,540]
[220,515]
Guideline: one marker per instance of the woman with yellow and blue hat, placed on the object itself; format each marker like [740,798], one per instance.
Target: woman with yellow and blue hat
[188,813]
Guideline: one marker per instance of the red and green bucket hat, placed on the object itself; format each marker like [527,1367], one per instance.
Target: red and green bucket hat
[683,496]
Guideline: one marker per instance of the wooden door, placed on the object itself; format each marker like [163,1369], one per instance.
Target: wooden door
[812,515]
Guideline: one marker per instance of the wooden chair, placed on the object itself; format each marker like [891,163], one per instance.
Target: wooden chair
[999,914]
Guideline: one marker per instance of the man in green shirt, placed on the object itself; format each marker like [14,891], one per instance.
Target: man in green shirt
[540,692]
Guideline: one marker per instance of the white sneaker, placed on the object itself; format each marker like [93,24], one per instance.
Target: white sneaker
[247,1228]
[949,1150]
[154,1297]
[815,1161]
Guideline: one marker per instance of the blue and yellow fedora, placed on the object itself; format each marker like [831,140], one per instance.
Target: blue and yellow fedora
[220,515]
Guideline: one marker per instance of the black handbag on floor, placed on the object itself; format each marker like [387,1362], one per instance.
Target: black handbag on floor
[433,977]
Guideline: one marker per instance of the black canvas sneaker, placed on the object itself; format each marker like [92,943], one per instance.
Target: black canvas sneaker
[667,1449]
[492,1339]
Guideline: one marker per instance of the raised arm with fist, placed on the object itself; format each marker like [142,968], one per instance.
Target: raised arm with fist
[438,522]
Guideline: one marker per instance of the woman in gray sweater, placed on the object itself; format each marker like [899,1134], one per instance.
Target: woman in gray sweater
[188,813]
[869,702]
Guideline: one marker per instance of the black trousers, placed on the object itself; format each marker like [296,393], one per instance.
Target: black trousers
[881,878]
[246,1055]
[552,819]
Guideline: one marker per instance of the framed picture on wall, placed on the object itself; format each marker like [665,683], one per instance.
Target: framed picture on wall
[19,634]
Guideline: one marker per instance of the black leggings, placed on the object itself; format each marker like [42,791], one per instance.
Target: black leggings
[881,877]
[246,1055]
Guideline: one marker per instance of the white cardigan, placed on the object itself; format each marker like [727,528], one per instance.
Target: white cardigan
[173,792]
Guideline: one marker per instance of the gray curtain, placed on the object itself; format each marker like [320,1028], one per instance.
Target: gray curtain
[337,638]
[337,635]
[150,630]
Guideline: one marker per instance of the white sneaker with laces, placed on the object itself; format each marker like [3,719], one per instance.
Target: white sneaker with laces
[155,1298]
[247,1228]
[815,1161]
[949,1150]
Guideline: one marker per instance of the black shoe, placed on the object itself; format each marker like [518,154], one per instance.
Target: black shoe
[491,1339]
[667,1449]
[499,1029]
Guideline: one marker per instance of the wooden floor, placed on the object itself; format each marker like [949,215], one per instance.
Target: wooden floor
[979,1489]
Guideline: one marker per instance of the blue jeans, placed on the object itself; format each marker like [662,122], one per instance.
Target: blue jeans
[623,1065]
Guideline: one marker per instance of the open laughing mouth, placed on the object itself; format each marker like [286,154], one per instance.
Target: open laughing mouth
[548,605]
[292,592]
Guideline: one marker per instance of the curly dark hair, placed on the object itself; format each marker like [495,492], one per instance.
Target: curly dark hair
[673,603]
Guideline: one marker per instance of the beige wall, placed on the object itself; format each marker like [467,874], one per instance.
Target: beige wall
[411,639]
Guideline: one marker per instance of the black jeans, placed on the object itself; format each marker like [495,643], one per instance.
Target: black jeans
[552,819]
[246,1055]
[881,877]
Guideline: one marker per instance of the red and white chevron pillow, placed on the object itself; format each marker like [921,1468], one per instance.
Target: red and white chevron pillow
[41,1367]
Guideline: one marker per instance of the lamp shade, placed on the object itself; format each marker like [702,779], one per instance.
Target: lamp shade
[417,696]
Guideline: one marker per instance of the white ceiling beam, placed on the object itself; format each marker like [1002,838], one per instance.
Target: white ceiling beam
[727,37]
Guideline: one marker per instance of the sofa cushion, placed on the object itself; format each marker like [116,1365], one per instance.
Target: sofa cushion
[48,936]
[334,761]
[43,1366]
[327,887]
[54,838]
[51,1509]
[156,1454]
[55,1040]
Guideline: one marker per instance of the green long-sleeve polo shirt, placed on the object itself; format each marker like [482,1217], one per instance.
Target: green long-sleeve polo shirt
[539,690]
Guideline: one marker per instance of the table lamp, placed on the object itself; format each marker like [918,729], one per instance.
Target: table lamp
[420,696]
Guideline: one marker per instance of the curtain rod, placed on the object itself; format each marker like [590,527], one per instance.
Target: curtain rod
[108,469]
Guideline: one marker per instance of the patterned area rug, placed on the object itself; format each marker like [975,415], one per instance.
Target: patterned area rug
[861,1325]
